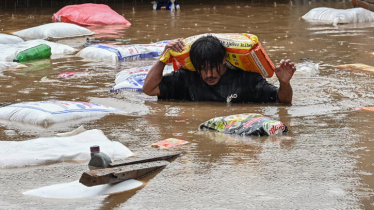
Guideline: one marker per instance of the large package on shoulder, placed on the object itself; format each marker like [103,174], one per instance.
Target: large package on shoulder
[89,14]
[243,51]
[339,16]
[9,39]
[54,31]
[10,52]
[248,124]
[106,52]
[133,79]
[49,112]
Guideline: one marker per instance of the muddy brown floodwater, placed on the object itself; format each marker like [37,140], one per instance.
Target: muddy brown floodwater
[326,161]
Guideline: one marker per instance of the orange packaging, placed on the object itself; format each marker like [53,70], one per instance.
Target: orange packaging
[167,143]
[243,51]
[365,108]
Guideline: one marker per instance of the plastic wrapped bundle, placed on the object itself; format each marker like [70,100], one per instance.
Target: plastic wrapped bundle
[245,125]
[339,16]
[89,14]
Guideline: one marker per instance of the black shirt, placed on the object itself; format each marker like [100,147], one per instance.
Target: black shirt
[235,86]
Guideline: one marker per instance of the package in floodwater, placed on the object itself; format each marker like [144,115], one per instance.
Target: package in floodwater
[54,31]
[355,67]
[11,65]
[49,112]
[89,14]
[167,143]
[339,16]
[72,74]
[248,124]
[114,53]
[243,51]
[49,150]
[9,52]
[9,39]
[133,79]
[38,52]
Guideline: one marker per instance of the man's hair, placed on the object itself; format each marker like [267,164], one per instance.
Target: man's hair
[207,52]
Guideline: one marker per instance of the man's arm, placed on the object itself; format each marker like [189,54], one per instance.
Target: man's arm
[154,76]
[284,72]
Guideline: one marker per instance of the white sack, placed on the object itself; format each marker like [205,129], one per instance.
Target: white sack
[49,112]
[133,79]
[53,30]
[114,53]
[9,39]
[74,190]
[339,16]
[49,150]
[10,51]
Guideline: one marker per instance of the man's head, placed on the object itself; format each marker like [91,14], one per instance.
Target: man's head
[208,56]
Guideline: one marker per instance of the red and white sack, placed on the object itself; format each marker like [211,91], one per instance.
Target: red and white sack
[90,15]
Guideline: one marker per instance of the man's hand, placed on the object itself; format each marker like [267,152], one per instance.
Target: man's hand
[284,72]
[177,45]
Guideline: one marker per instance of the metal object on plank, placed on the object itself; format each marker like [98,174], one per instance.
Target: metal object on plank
[119,174]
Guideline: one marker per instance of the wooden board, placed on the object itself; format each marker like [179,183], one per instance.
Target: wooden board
[166,156]
[120,173]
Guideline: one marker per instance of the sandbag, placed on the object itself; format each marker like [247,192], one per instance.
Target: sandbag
[133,79]
[54,31]
[9,39]
[106,52]
[243,51]
[339,16]
[248,124]
[58,149]
[9,52]
[49,112]
[76,190]
[89,14]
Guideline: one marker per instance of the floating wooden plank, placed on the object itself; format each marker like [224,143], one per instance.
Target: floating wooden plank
[167,156]
[120,173]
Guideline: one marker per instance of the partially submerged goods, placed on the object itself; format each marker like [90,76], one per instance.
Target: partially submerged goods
[339,16]
[130,169]
[356,67]
[89,14]
[243,51]
[366,4]
[167,143]
[53,31]
[133,79]
[11,65]
[9,39]
[46,113]
[248,124]
[38,52]
[114,53]
[9,52]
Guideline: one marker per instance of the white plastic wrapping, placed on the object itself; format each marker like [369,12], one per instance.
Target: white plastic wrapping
[114,53]
[339,16]
[10,51]
[49,112]
[9,39]
[133,79]
[53,30]
[14,154]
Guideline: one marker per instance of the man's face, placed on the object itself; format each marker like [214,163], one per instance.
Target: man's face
[211,76]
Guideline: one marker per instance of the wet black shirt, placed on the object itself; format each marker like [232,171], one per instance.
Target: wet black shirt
[236,86]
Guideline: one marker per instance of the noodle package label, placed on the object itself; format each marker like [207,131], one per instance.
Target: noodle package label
[243,51]
[245,125]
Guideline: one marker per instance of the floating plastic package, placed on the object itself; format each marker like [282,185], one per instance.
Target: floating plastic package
[245,125]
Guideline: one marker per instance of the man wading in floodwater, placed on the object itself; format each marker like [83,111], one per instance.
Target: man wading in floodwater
[213,81]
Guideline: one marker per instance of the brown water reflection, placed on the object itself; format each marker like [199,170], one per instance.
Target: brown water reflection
[324,162]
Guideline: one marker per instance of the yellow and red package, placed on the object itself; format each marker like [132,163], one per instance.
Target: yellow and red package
[167,143]
[243,51]
[365,108]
